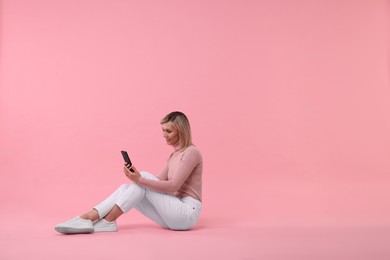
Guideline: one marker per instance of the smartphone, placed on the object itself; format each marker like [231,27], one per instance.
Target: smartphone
[127,159]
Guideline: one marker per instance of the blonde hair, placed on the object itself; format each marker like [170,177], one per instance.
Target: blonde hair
[181,123]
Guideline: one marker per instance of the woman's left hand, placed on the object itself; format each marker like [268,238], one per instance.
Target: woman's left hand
[132,175]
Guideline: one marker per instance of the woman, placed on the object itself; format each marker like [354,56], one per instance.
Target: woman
[172,199]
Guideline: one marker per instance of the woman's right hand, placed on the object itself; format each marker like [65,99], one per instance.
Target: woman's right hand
[132,173]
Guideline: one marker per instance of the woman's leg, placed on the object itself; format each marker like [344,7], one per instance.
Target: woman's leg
[105,207]
[92,215]
[115,213]
[176,213]
[85,222]
[149,211]
[121,201]
[126,197]
[167,210]
[164,209]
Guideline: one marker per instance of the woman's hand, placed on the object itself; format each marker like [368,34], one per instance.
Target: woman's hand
[132,175]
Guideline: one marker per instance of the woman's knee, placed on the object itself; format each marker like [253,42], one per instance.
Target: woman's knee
[124,186]
[122,189]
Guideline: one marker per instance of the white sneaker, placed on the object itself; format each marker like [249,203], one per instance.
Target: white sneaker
[105,226]
[76,225]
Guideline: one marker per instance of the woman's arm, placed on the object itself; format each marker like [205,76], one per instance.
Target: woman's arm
[189,160]
[164,173]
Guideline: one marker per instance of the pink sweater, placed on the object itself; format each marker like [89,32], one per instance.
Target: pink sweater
[181,176]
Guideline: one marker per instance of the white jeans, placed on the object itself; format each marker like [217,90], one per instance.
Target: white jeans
[169,211]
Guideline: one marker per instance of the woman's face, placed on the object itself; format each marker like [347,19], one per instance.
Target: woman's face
[170,133]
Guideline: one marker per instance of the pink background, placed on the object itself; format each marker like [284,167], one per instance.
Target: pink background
[289,102]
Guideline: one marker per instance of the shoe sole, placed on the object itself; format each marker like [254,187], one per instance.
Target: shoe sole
[69,230]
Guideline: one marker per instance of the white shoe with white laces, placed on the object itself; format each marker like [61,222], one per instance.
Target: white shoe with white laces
[76,225]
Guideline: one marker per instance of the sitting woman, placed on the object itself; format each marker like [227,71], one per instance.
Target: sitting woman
[173,199]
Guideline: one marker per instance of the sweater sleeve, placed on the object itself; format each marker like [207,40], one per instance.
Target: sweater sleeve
[163,176]
[189,160]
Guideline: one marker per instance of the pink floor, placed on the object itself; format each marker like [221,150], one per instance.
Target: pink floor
[210,240]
